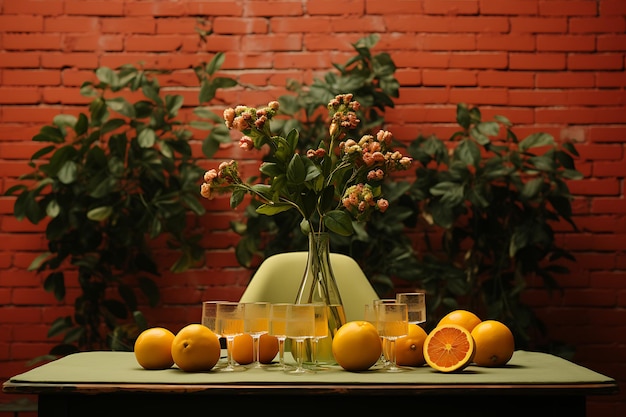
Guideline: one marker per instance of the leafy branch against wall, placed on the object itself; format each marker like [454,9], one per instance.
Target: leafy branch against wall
[110,181]
[492,199]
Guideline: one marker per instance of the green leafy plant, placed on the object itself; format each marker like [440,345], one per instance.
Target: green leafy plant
[492,200]
[110,181]
[330,186]
[379,245]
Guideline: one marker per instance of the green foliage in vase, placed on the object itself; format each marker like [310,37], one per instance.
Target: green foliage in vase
[379,245]
[109,181]
[492,199]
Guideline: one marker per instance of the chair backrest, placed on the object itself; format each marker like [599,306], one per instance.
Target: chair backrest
[278,279]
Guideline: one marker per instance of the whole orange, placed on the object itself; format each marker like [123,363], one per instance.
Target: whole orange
[242,349]
[495,343]
[153,348]
[410,348]
[462,318]
[356,346]
[196,348]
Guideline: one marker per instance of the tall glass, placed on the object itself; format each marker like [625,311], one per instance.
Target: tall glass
[299,327]
[321,331]
[392,323]
[230,324]
[384,360]
[278,323]
[209,317]
[256,323]
[369,315]
[416,303]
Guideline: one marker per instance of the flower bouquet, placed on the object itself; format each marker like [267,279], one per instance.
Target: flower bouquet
[331,186]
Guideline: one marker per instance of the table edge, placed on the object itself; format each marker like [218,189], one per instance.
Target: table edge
[237,389]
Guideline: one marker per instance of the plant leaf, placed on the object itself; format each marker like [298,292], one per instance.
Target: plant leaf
[274,208]
[339,221]
[536,140]
[532,188]
[296,172]
[216,63]
[67,173]
[99,214]
[121,106]
[146,138]
[173,104]
[55,283]
[59,326]
[463,116]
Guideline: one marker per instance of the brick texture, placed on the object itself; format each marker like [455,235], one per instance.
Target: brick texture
[551,65]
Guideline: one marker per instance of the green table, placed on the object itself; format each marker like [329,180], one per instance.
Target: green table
[112,383]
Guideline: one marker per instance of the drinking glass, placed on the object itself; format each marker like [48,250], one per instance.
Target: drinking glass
[300,326]
[416,304]
[209,316]
[278,321]
[384,360]
[392,323]
[256,322]
[230,324]
[321,331]
[369,315]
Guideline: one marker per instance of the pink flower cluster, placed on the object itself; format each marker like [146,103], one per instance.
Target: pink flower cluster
[359,199]
[242,117]
[372,150]
[345,119]
[219,180]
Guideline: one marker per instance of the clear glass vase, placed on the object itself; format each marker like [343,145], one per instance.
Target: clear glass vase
[319,286]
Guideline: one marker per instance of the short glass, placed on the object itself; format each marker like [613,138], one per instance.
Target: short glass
[416,304]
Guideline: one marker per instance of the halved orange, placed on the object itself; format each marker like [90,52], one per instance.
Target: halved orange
[449,348]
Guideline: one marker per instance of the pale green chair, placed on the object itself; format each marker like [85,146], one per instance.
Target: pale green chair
[278,278]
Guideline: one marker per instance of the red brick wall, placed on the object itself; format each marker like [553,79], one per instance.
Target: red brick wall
[550,65]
